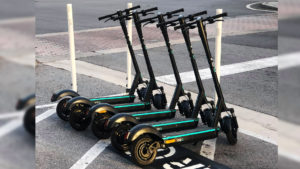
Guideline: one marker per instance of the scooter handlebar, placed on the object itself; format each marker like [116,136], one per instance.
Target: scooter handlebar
[216,16]
[111,15]
[211,19]
[191,17]
[169,14]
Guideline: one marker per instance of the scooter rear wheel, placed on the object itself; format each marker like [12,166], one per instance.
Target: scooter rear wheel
[98,123]
[141,152]
[117,136]
[29,120]
[160,101]
[230,130]
[79,118]
[62,111]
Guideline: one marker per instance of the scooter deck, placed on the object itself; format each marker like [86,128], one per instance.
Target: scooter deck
[114,99]
[129,107]
[143,116]
[175,124]
[190,135]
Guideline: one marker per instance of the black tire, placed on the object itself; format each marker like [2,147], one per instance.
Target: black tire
[185,108]
[230,130]
[208,117]
[29,120]
[61,110]
[98,125]
[160,101]
[140,153]
[79,118]
[117,137]
[141,93]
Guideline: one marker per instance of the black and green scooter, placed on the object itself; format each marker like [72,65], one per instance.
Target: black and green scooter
[145,140]
[120,124]
[80,116]
[138,85]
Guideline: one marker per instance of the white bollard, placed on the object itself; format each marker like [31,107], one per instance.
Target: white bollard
[218,47]
[72,46]
[129,62]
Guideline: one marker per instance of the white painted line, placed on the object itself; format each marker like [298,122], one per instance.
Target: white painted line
[45,106]
[90,155]
[208,148]
[45,115]
[264,10]
[290,60]
[194,166]
[226,70]
[12,115]
[10,126]
[288,155]
[250,133]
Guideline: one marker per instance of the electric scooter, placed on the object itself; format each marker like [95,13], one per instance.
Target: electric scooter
[28,104]
[146,140]
[99,121]
[120,124]
[64,96]
[80,116]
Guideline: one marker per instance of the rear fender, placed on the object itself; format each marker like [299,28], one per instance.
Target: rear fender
[25,102]
[103,108]
[117,119]
[63,93]
[78,100]
[143,129]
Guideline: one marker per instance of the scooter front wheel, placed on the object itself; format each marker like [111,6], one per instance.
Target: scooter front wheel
[29,120]
[117,136]
[230,130]
[98,125]
[141,151]
[62,111]
[79,118]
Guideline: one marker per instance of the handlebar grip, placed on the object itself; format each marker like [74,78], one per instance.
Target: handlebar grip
[174,12]
[106,16]
[216,16]
[192,16]
[149,10]
[147,19]
[133,8]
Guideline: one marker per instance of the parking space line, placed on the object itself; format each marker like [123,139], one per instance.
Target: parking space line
[45,115]
[11,115]
[45,106]
[250,133]
[289,61]
[90,155]
[226,70]
[10,126]
[208,148]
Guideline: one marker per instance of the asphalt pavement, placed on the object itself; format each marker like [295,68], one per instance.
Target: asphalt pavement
[59,146]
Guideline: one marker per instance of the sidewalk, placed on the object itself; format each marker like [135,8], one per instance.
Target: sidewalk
[88,42]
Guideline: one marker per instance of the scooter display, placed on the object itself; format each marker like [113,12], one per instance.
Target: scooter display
[28,104]
[139,85]
[145,140]
[120,124]
[98,122]
[80,117]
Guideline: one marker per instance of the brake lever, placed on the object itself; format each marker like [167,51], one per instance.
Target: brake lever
[128,18]
[153,21]
[145,13]
[107,20]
